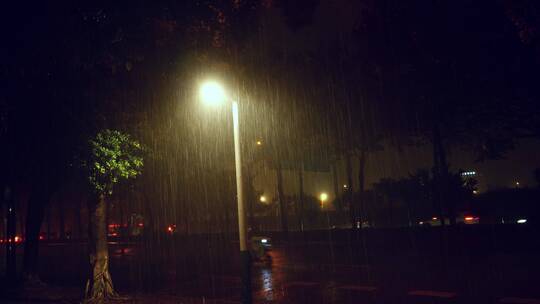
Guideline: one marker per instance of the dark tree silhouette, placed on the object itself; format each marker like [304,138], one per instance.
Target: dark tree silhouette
[537,176]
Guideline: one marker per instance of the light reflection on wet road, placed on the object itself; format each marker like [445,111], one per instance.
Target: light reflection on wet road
[267,284]
[296,275]
[270,277]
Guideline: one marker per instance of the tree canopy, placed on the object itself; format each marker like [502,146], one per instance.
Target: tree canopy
[114,157]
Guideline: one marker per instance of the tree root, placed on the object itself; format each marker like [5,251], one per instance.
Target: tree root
[101,290]
[33,281]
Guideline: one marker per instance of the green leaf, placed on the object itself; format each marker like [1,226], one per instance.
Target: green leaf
[116,157]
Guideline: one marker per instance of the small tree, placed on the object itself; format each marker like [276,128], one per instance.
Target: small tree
[113,157]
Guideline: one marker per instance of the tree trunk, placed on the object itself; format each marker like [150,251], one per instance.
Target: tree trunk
[281,198]
[361,216]
[335,180]
[39,200]
[438,196]
[349,192]
[444,180]
[62,218]
[11,223]
[250,196]
[301,196]
[49,215]
[78,222]
[99,286]
[149,215]
[441,178]
[21,220]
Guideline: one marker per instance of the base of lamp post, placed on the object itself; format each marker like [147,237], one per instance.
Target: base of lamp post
[245,268]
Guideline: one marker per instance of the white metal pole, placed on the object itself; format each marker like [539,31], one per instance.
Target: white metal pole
[245,259]
[239,184]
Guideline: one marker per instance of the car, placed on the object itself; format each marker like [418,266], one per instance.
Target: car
[263,241]
[434,221]
[259,248]
[468,219]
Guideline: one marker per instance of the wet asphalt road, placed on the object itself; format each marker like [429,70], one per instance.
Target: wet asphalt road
[306,272]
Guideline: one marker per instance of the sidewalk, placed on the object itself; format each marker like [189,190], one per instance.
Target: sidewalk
[72,296]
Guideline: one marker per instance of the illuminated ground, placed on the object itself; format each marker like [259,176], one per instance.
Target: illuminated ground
[302,272]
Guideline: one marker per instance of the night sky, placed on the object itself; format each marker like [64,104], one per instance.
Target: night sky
[343,71]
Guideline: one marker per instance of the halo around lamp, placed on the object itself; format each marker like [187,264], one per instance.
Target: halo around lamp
[212,93]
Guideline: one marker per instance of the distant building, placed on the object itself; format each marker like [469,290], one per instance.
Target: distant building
[467,174]
[472,174]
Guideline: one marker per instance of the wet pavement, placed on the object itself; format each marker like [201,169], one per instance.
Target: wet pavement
[301,272]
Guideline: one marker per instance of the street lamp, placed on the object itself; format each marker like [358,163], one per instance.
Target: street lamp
[212,93]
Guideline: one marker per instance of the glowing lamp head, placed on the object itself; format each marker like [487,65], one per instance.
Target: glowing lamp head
[212,93]
[262,199]
[323,197]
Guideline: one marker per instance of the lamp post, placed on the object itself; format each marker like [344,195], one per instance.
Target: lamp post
[212,93]
[323,197]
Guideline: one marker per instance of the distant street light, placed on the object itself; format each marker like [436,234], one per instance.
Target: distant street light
[323,197]
[212,93]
